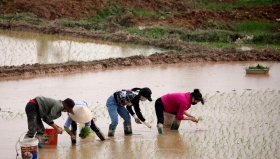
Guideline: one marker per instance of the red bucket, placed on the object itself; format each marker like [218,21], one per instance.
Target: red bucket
[50,137]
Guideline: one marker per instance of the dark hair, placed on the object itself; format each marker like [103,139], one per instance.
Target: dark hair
[197,95]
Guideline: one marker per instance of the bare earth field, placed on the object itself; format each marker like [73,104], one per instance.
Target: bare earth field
[185,15]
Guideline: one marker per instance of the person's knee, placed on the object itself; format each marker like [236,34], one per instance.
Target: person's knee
[127,119]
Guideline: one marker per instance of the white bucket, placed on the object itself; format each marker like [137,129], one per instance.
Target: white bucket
[29,148]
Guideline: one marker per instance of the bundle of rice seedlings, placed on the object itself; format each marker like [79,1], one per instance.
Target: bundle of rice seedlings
[84,132]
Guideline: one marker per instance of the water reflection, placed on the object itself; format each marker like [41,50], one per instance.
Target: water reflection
[171,145]
[28,48]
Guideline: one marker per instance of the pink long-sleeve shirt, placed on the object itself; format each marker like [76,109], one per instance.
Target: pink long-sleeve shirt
[176,102]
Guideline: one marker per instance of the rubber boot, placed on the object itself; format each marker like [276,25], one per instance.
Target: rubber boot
[99,133]
[127,128]
[176,124]
[111,131]
[160,128]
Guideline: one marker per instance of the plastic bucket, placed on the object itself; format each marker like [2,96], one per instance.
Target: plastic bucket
[29,148]
[50,137]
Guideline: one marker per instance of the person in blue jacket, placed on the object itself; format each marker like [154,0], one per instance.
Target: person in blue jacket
[89,124]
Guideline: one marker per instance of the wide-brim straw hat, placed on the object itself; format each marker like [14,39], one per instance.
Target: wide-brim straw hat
[82,114]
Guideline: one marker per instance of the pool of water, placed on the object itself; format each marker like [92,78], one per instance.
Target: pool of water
[19,48]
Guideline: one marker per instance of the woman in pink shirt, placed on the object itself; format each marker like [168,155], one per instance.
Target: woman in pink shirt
[178,104]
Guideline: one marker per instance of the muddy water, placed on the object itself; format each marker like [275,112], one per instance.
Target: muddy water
[19,48]
[240,114]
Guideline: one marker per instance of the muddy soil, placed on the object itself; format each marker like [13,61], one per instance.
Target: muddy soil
[185,15]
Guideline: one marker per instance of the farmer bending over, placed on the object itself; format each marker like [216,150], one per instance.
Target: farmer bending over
[177,104]
[117,102]
[48,109]
[82,115]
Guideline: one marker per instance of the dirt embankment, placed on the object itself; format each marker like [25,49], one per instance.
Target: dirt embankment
[163,58]
[184,15]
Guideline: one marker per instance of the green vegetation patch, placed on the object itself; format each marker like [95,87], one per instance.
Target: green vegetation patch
[259,66]
[29,17]
[108,10]
[222,36]
[228,6]
[255,26]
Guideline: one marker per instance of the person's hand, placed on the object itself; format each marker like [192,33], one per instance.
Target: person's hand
[194,120]
[147,124]
[138,121]
[59,130]
[82,136]
[73,137]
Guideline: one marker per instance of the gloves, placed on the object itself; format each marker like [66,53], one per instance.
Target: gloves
[137,120]
[147,124]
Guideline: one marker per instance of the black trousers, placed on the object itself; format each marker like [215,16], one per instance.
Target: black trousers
[92,126]
[35,124]
[159,111]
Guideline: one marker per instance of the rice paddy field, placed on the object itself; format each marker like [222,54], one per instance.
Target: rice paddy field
[234,124]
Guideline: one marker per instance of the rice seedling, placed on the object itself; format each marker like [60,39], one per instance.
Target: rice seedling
[259,66]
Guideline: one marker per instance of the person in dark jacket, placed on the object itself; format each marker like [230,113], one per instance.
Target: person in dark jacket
[47,109]
[121,103]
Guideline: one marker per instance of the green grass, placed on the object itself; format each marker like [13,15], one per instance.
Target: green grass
[140,12]
[29,17]
[254,26]
[107,11]
[228,6]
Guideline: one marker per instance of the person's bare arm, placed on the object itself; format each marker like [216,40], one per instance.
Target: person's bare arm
[188,115]
[191,118]
[73,137]
[56,128]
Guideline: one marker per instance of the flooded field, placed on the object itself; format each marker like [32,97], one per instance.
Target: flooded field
[240,114]
[19,48]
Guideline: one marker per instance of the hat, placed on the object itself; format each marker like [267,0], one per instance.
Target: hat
[146,92]
[68,104]
[82,114]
